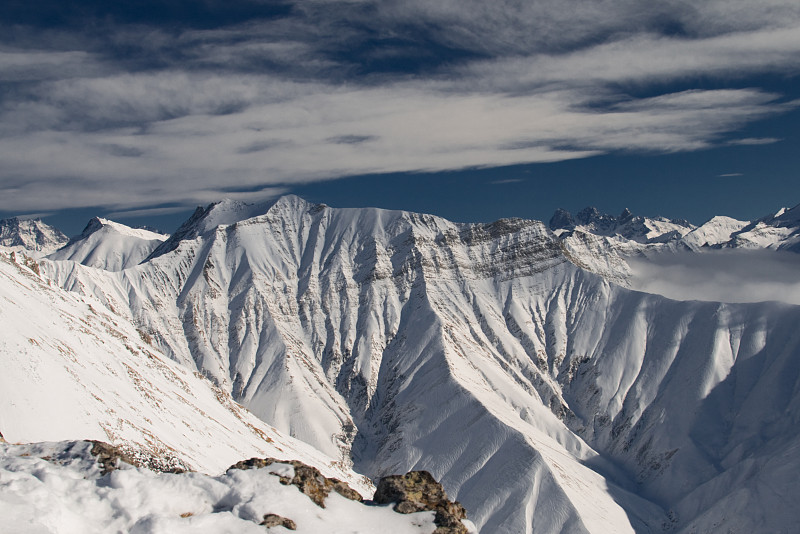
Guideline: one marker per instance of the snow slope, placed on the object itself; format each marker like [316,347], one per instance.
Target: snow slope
[545,398]
[109,245]
[74,370]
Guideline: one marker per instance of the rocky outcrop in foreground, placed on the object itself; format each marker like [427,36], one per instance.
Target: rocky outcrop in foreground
[307,479]
[109,457]
[418,491]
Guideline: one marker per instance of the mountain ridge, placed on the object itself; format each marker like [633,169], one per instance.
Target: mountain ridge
[109,245]
[390,330]
[33,235]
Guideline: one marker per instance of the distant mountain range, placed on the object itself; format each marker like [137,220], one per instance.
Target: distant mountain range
[512,360]
[30,234]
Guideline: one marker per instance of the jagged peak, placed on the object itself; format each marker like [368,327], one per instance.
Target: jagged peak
[224,213]
[561,220]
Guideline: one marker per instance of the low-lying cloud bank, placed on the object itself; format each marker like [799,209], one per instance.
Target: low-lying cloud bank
[720,276]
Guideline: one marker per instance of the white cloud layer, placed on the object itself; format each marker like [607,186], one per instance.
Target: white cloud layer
[721,276]
[247,108]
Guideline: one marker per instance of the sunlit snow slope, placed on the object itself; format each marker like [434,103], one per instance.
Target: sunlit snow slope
[109,245]
[544,397]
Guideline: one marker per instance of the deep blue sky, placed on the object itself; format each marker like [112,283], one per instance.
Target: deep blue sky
[141,110]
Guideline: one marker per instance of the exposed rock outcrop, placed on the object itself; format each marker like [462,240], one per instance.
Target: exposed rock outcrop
[307,479]
[109,457]
[275,520]
[418,491]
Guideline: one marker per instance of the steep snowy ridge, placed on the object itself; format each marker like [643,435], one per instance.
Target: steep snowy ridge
[30,234]
[542,395]
[109,245]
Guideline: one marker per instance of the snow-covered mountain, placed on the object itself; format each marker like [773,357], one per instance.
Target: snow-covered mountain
[546,397]
[72,369]
[715,232]
[614,247]
[109,245]
[780,231]
[30,234]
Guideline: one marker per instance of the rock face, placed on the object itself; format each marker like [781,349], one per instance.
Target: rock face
[307,479]
[418,491]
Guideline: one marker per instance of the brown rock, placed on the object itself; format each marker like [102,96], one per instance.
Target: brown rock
[307,479]
[418,491]
[274,520]
[109,456]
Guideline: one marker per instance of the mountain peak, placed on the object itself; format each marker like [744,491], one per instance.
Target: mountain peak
[226,212]
[109,245]
[31,234]
[97,224]
[562,220]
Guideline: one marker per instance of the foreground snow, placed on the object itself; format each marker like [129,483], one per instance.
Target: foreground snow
[57,488]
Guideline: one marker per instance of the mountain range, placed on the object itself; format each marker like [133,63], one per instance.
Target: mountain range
[520,363]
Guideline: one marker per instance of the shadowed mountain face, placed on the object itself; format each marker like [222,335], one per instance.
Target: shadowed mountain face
[545,398]
[31,234]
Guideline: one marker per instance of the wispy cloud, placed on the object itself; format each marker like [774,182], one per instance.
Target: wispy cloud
[332,88]
[754,141]
[506,181]
[730,175]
